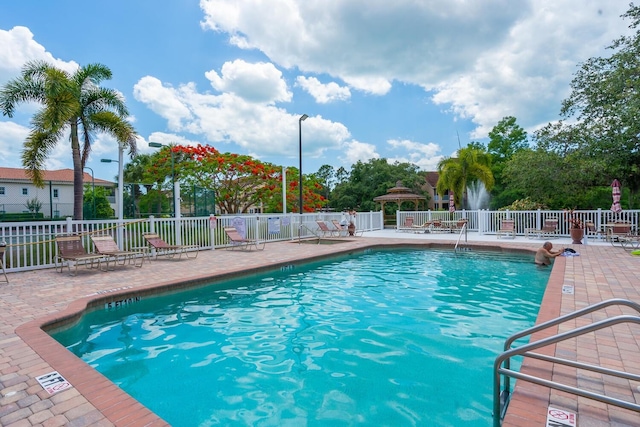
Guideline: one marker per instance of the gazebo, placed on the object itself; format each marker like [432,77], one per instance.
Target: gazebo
[399,194]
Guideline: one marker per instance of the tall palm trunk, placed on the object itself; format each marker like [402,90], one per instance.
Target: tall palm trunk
[78,168]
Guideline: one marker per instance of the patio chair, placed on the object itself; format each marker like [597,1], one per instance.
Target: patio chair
[163,248]
[70,249]
[105,245]
[425,227]
[3,249]
[591,230]
[325,231]
[507,227]
[237,241]
[342,229]
[408,224]
[436,226]
[618,231]
[549,229]
[459,225]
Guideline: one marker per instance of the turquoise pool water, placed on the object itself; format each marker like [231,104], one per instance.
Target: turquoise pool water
[385,338]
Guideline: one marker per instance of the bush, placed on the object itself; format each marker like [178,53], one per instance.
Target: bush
[21,217]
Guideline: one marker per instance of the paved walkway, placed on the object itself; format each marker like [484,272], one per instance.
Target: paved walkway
[35,298]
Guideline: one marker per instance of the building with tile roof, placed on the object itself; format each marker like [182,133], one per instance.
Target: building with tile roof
[55,200]
[436,202]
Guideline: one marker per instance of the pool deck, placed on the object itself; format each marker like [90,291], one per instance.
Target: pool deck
[34,298]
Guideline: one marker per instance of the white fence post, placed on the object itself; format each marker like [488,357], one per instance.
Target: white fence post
[212,230]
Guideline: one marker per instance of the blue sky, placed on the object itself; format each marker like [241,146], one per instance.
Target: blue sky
[400,80]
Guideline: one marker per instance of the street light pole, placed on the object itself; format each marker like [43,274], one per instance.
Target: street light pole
[93,189]
[302,118]
[119,194]
[284,190]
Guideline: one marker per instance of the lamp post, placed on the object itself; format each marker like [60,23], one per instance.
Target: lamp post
[173,175]
[302,118]
[284,190]
[120,194]
[93,189]
[118,200]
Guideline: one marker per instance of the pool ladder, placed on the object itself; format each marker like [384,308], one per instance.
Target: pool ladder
[300,227]
[502,365]
[457,247]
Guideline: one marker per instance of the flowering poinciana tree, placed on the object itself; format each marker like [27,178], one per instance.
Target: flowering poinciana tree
[238,181]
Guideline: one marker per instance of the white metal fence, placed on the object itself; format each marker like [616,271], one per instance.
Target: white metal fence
[488,222]
[31,245]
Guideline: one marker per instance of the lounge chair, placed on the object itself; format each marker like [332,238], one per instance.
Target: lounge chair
[459,225]
[70,249]
[342,229]
[163,248]
[548,230]
[425,227]
[3,249]
[507,227]
[618,231]
[237,241]
[591,230]
[436,226]
[325,231]
[408,224]
[105,245]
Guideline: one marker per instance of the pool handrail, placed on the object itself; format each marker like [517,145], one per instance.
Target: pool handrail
[501,397]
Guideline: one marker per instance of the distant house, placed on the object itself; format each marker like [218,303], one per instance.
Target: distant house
[55,200]
[436,202]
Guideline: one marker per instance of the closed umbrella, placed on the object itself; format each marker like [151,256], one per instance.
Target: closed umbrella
[615,190]
[452,204]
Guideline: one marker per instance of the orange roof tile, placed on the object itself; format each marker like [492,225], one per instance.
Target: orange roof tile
[62,175]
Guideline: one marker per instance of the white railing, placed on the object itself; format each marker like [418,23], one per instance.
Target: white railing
[488,222]
[31,245]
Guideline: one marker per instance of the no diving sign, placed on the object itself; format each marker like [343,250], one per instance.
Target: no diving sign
[53,382]
[560,418]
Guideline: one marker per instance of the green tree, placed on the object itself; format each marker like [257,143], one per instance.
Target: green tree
[102,206]
[73,103]
[505,139]
[134,175]
[456,173]
[239,181]
[372,179]
[326,177]
[605,106]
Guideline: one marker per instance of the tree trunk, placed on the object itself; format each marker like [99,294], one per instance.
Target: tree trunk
[78,169]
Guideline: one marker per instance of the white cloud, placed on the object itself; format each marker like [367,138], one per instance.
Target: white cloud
[163,100]
[261,82]
[354,151]
[17,47]
[11,132]
[425,156]
[260,128]
[527,74]
[482,60]
[323,93]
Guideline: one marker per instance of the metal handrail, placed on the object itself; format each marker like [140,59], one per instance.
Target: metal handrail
[462,230]
[309,230]
[505,357]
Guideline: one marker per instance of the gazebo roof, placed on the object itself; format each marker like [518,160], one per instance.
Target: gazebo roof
[399,193]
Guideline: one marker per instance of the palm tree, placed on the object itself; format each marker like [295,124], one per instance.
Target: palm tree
[73,103]
[456,173]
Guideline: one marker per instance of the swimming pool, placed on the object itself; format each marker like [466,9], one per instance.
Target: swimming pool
[383,338]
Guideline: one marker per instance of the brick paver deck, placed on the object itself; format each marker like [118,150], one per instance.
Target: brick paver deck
[34,298]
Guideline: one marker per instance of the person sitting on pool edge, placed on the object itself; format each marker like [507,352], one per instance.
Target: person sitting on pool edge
[544,254]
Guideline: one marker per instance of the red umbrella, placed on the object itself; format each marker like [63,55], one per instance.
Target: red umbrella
[615,190]
[452,204]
